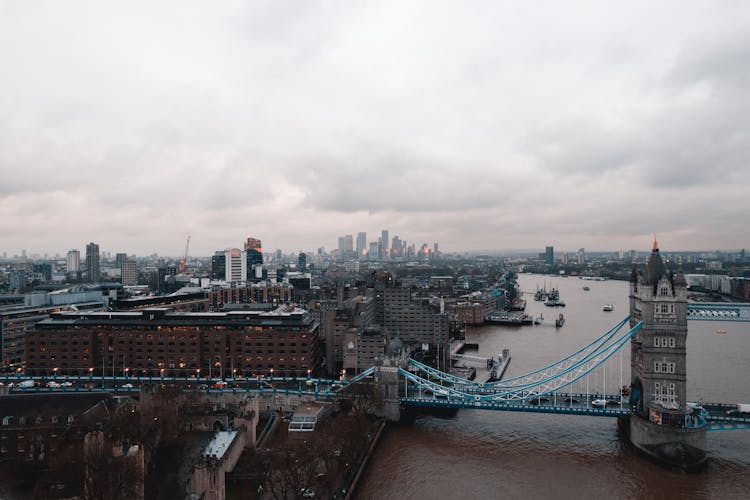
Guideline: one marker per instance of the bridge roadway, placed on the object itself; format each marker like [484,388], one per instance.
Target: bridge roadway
[320,388]
[718,416]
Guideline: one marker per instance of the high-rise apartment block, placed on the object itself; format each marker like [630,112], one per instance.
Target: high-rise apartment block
[73,261]
[128,272]
[93,268]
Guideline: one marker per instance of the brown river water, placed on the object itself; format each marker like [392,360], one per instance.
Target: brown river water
[494,454]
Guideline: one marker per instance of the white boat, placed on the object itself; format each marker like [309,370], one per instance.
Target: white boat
[608,307]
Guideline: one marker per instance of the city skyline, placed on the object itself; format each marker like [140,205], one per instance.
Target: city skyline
[482,127]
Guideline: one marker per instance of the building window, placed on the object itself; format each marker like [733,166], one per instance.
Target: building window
[657,367]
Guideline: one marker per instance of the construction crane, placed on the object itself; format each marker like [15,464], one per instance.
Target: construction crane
[183,261]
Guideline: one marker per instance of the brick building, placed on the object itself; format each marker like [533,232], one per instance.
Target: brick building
[155,342]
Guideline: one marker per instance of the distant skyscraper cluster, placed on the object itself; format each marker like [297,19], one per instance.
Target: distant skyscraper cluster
[384,248]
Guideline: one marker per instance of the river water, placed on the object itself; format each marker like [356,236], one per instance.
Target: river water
[495,454]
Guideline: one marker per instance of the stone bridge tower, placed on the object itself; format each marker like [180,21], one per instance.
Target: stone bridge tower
[661,424]
[386,378]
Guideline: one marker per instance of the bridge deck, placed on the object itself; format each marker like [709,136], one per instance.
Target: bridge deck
[563,403]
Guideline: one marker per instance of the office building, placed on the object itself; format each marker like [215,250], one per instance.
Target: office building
[235,265]
[374,252]
[549,255]
[361,245]
[218,266]
[254,255]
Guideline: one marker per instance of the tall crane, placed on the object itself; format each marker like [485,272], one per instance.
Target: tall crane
[183,261]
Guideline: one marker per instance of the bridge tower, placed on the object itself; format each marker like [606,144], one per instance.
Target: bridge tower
[386,379]
[661,424]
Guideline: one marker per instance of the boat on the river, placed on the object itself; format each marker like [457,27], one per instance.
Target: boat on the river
[608,307]
[560,321]
[554,303]
[508,319]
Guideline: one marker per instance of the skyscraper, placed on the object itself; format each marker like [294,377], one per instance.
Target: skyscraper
[549,255]
[581,256]
[302,262]
[385,249]
[119,258]
[93,269]
[346,246]
[254,252]
[361,244]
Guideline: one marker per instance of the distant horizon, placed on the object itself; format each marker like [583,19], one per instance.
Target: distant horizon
[494,252]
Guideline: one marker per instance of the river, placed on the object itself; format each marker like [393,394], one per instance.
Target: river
[495,454]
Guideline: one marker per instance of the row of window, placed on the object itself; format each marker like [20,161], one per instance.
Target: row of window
[665,308]
[664,392]
[56,419]
[664,341]
[663,367]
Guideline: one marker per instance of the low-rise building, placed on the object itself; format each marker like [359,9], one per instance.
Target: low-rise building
[156,342]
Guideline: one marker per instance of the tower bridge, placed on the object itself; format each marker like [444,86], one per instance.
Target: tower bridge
[651,408]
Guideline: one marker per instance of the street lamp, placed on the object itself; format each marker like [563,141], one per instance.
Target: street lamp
[197,373]
[91,373]
[54,372]
[161,373]
[126,372]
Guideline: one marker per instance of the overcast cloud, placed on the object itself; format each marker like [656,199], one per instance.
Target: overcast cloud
[478,125]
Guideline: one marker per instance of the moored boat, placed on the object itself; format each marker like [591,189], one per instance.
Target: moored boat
[560,321]
[608,307]
[508,319]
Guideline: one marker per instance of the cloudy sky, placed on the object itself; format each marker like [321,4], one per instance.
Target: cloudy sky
[479,125]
